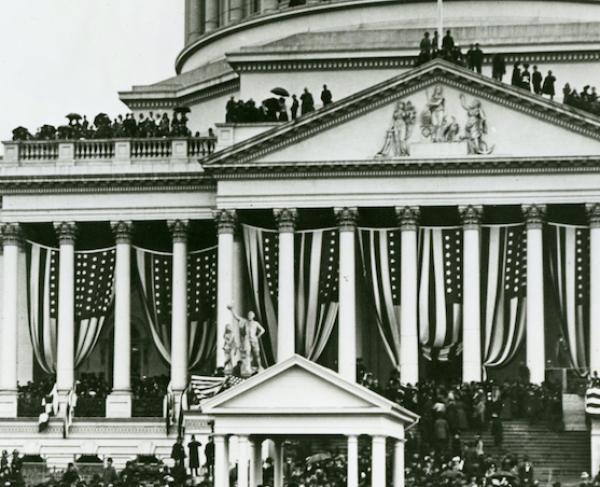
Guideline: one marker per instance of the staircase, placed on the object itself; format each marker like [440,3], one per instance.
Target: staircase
[564,455]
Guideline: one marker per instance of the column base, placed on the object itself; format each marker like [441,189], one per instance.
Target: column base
[8,404]
[119,404]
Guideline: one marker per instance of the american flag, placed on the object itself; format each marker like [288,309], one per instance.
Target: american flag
[154,270]
[440,291]
[504,291]
[317,302]
[93,297]
[380,251]
[568,262]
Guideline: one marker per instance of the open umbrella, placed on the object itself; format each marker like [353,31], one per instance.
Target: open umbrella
[279,91]
[453,474]
[182,109]
[318,457]
[74,116]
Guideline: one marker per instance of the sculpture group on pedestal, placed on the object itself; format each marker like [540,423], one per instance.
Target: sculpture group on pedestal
[436,125]
[241,345]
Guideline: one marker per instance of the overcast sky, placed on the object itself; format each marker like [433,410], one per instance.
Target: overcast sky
[60,56]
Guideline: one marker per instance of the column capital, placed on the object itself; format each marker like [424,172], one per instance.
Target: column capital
[471,216]
[122,230]
[12,233]
[179,230]
[286,219]
[593,214]
[534,215]
[408,217]
[346,218]
[66,232]
[226,220]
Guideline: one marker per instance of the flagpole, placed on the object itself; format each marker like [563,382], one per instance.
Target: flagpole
[440,22]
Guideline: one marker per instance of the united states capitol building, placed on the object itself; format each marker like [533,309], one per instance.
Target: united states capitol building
[431,220]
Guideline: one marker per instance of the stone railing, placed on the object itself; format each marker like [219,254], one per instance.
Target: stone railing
[119,151]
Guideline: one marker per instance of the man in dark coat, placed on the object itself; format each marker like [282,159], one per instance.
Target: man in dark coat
[326,96]
[425,49]
[178,452]
[536,81]
[109,474]
[516,74]
[307,102]
[477,58]
[193,447]
[209,454]
[294,107]
[447,43]
[526,472]
[498,66]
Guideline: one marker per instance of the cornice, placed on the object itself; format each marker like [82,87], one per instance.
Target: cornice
[388,92]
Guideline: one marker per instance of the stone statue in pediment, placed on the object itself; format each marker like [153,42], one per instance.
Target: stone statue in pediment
[396,137]
[433,117]
[475,127]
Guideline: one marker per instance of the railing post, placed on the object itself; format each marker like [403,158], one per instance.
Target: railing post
[66,153]
[11,153]
[122,152]
[179,150]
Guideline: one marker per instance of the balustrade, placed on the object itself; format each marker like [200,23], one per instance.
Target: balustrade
[107,150]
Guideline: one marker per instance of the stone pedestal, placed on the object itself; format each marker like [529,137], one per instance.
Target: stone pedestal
[8,404]
[119,404]
[438,149]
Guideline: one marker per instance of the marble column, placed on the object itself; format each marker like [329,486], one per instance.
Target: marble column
[194,27]
[179,325]
[242,463]
[352,475]
[378,461]
[11,238]
[278,463]
[118,403]
[226,220]
[535,337]
[286,222]
[65,350]
[221,470]
[398,463]
[268,6]
[256,474]
[408,218]
[593,212]
[346,218]
[236,9]
[471,220]
[211,15]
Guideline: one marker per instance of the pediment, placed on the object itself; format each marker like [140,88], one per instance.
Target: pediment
[438,111]
[300,385]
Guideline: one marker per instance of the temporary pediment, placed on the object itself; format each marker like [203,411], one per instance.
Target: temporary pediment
[437,111]
[300,386]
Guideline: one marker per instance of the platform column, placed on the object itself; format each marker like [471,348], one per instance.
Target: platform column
[278,463]
[221,470]
[471,219]
[118,403]
[593,212]
[286,221]
[408,218]
[346,218]
[378,461]
[256,474]
[398,463]
[535,338]
[65,349]
[242,463]
[225,220]
[179,325]
[352,475]
[211,15]
[11,237]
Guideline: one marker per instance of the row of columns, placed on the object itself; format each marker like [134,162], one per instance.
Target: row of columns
[249,461]
[205,16]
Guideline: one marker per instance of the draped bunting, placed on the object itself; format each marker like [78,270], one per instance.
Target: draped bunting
[94,295]
[503,288]
[154,276]
[567,263]
[380,252]
[440,292]
[317,305]
[262,258]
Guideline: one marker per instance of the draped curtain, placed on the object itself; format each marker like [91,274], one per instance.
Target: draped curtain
[317,302]
[503,288]
[154,277]
[94,295]
[567,266]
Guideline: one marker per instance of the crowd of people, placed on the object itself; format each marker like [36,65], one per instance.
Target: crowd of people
[79,127]
[430,48]
[274,109]
[586,99]
[11,469]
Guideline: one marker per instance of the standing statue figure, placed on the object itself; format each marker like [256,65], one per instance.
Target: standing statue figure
[230,349]
[250,332]
[433,118]
[475,127]
[396,137]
